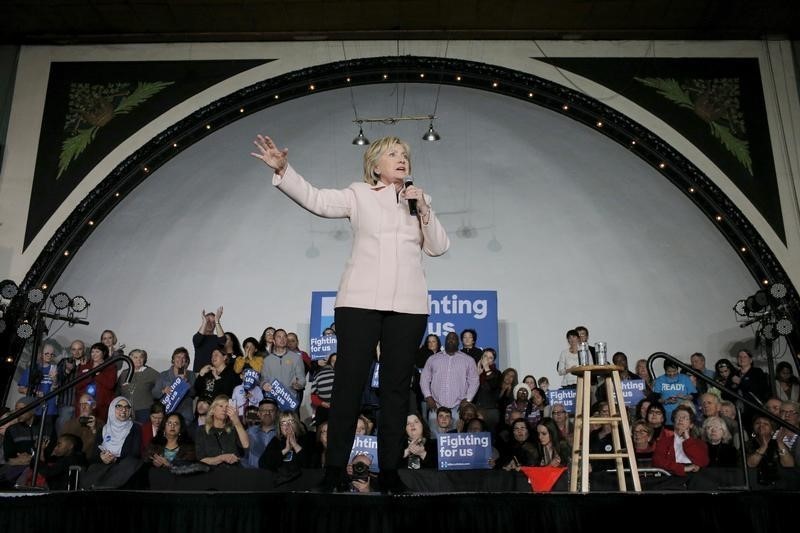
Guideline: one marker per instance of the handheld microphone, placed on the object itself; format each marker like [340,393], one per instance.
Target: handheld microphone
[412,202]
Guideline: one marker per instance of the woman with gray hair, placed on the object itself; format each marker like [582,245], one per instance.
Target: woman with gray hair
[720,450]
[382,297]
[139,390]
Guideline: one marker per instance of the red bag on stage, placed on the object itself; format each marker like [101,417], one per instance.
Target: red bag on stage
[542,478]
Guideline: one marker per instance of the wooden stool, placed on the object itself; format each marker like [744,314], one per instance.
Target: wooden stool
[618,419]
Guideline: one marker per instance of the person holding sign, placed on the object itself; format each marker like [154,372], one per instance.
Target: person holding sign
[170,380]
[382,296]
[284,365]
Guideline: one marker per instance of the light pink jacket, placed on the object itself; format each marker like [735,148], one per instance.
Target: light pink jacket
[384,271]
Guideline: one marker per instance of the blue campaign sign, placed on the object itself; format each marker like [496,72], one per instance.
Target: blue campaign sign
[464,451]
[632,391]
[177,391]
[286,399]
[366,445]
[322,347]
[450,310]
[250,379]
[565,397]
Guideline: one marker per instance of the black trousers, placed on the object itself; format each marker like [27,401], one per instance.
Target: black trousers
[358,333]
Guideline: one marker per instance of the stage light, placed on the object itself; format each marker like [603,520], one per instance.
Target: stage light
[778,290]
[431,134]
[35,296]
[60,300]
[784,326]
[769,332]
[8,289]
[24,331]
[740,308]
[757,302]
[360,139]
[78,304]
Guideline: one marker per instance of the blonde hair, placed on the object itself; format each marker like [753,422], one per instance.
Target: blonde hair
[376,150]
[299,428]
[222,399]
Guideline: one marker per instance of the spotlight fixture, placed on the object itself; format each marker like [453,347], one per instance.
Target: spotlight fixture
[431,134]
[8,289]
[35,296]
[360,139]
[60,300]
[784,326]
[740,308]
[778,290]
[757,302]
[769,332]
[79,304]
[24,331]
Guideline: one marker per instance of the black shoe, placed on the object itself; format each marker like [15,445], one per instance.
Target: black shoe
[390,483]
[333,480]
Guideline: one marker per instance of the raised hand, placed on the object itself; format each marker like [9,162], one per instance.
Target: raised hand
[219,313]
[271,155]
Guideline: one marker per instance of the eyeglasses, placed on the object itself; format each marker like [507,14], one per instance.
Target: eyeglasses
[122,407]
[173,423]
[559,412]
[641,431]
[787,412]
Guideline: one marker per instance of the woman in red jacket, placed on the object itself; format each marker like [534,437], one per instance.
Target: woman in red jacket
[681,451]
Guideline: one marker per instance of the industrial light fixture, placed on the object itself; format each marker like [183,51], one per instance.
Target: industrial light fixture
[431,134]
[360,139]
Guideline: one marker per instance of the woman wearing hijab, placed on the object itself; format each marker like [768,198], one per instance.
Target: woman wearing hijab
[120,445]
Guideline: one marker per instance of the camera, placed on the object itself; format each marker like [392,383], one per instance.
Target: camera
[84,420]
[360,471]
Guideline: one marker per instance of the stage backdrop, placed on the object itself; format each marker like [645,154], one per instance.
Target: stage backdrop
[567,226]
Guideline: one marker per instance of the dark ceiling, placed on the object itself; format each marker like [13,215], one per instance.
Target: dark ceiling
[117,21]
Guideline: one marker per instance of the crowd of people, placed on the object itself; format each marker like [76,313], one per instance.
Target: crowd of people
[228,416]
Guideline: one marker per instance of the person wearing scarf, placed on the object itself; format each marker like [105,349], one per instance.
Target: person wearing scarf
[120,445]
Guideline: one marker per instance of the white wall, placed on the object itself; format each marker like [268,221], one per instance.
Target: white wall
[589,233]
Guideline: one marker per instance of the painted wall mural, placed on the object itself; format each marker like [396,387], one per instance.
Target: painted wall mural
[717,104]
[92,107]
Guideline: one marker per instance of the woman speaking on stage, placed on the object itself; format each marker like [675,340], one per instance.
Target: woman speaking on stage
[382,296]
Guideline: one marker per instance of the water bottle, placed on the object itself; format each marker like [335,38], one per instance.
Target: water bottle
[584,357]
[600,353]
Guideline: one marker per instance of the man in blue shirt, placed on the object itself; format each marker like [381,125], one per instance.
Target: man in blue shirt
[673,388]
[261,435]
[44,380]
